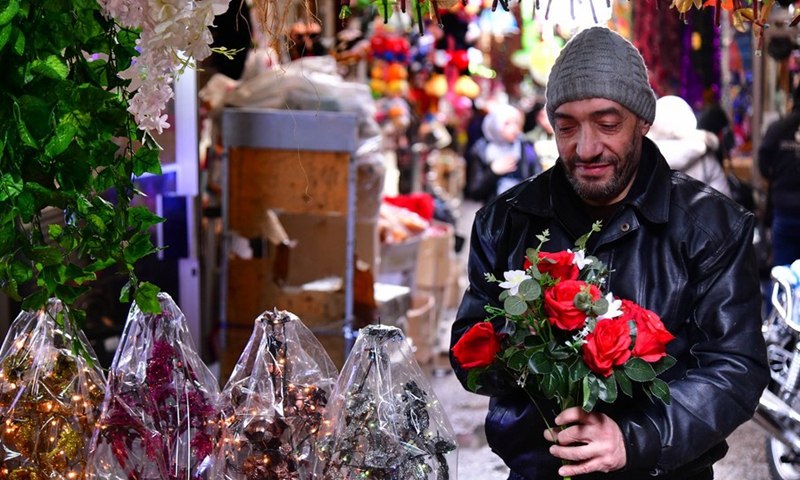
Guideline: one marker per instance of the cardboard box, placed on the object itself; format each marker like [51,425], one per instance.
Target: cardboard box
[398,262]
[422,331]
[435,257]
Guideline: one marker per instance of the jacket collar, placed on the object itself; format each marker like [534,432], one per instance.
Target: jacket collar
[551,191]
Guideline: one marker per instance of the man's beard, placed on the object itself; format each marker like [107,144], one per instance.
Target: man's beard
[600,193]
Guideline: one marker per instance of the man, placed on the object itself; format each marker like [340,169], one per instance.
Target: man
[673,245]
[779,164]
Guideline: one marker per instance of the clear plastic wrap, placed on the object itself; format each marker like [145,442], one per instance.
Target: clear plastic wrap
[273,404]
[51,392]
[384,421]
[159,413]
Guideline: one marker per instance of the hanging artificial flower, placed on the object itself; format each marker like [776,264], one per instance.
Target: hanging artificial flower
[174,33]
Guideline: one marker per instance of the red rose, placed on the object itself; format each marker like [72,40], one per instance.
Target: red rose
[559,265]
[559,303]
[477,347]
[607,346]
[651,335]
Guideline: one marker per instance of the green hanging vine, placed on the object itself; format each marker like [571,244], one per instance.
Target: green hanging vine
[67,145]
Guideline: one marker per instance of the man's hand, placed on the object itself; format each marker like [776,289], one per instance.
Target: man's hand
[591,442]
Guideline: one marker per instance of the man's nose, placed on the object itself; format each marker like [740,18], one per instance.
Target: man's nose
[589,144]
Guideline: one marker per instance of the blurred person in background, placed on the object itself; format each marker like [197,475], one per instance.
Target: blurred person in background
[685,147]
[503,157]
[779,164]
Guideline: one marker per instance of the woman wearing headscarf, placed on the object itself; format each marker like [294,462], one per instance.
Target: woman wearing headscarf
[685,147]
[503,157]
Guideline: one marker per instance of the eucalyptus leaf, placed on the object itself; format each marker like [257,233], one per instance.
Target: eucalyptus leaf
[515,305]
[530,290]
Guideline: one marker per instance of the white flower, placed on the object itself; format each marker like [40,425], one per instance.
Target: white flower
[513,279]
[614,308]
[580,259]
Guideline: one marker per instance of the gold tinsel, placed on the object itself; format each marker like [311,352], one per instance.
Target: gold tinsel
[50,397]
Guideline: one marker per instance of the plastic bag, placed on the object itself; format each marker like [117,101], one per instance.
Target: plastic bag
[158,420]
[51,391]
[384,417]
[273,403]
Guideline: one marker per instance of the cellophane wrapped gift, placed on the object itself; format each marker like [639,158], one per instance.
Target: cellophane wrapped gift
[51,392]
[384,421]
[159,413]
[273,403]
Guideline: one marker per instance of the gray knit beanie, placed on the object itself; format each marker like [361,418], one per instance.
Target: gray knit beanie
[600,63]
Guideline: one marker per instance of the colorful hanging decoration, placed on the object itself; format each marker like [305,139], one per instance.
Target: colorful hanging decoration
[51,392]
[384,422]
[158,420]
[273,404]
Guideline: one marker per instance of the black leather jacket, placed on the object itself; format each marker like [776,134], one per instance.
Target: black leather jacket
[676,247]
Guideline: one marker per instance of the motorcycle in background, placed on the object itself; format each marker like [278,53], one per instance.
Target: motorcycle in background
[778,412]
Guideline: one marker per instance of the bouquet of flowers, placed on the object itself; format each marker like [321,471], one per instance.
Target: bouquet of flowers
[159,413]
[563,338]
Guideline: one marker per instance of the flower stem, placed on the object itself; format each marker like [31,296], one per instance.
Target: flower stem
[546,424]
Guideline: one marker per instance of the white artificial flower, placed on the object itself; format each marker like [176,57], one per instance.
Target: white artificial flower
[171,31]
[614,308]
[580,259]
[513,279]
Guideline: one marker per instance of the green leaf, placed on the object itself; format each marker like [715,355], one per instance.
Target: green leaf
[638,370]
[8,10]
[540,363]
[35,301]
[591,392]
[11,288]
[139,247]
[54,230]
[578,370]
[549,384]
[9,186]
[5,34]
[125,293]
[143,218]
[22,129]
[8,236]
[600,306]
[518,360]
[62,137]
[608,389]
[146,297]
[146,161]
[530,290]
[660,389]
[624,382]
[503,295]
[473,379]
[45,255]
[79,275]
[515,305]
[663,364]
[20,271]
[69,294]
[19,41]
[50,66]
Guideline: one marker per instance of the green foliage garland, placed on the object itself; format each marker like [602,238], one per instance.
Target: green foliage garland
[67,142]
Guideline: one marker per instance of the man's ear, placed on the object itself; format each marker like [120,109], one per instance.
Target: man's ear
[645,127]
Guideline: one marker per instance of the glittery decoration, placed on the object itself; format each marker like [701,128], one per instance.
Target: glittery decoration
[384,422]
[159,415]
[50,397]
[273,404]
